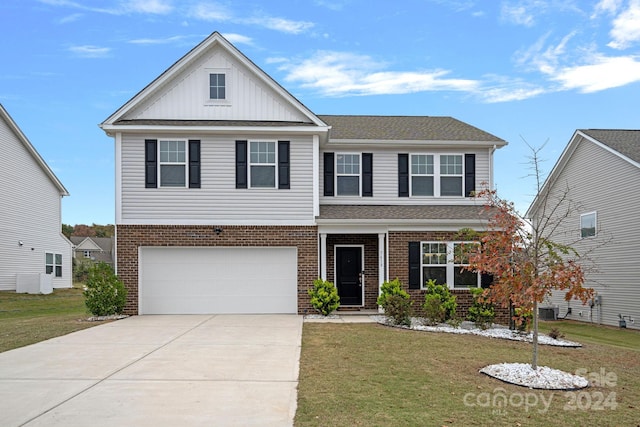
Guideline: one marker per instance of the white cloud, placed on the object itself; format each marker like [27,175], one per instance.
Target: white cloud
[156,7]
[165,40]
[70,18]
[279,24]
[517,14]
[600,74]
[238,38]
[626,27]
[542,59]
[89,51]
[606,6]
[210,12]
[341,73]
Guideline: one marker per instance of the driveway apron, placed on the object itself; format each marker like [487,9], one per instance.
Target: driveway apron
[196,370]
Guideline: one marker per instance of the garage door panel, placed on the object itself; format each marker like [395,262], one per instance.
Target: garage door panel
[218,280]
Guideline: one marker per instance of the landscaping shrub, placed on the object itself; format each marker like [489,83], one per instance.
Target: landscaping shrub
[398,309]
[555,334]
[324,297]
[81,270]
[388,289]
[523,319]
[104,294]
[481,313]
[439,305]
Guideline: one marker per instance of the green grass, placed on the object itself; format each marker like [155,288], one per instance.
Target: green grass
[372,375]
[587,333]
[26,319]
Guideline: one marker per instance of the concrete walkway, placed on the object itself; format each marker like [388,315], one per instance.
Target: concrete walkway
[200,370]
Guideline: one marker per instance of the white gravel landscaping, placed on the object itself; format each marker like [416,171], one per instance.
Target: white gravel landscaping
[543,378]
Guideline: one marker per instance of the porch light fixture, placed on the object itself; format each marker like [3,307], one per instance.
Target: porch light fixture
[20,243]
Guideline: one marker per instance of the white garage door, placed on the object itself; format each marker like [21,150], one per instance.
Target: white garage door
[217,280]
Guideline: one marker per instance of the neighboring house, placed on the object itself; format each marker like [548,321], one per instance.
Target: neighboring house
[33,251]
[599,170]
[95,249]
[232,196]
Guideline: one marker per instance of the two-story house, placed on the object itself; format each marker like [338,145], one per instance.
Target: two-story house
[34,254]
[232,196]
[600,213]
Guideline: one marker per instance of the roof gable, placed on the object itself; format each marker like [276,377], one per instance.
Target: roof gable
[181,92]
[406,128]
[87,244]
[624,144]
[21,137]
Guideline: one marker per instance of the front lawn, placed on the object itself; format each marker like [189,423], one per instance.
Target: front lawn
[368,374]
[26,319]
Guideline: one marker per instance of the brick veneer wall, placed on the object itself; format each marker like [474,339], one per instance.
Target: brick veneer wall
[399,267]
[131,237]
[370,242]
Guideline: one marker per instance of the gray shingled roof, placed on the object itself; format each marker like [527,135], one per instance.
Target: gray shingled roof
[402,212]
[407,128]
[626,142]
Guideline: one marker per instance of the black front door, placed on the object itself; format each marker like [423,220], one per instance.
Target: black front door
[348,275]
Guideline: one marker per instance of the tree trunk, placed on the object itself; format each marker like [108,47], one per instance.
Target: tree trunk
[534,363]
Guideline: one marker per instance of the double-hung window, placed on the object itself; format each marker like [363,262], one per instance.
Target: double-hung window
[173,163]
[262,164]
[422,175]
[451,175]
[348,174]
[53,264]
[588,225]
[217,86]
[445,263]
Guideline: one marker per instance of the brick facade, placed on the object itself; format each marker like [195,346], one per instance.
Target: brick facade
[131,237]
[399,268]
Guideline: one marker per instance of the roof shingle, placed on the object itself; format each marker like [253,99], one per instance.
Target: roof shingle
[626,142]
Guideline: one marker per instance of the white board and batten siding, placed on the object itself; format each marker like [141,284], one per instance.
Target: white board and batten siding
[30,213]
[602,182]
[230,280]
[218,201]
[385,177]
[186,95]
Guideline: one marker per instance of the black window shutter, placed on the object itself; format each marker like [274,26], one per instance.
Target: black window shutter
[328,174]
[241,164]
[469,174]
[151,163]
[403,175]
[194,163]
[283,165]
[414,265]
[367,174]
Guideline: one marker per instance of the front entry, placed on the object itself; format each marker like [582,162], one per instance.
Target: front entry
[349,274]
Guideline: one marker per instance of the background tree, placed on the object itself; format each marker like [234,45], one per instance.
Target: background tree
[67,230]
[521,255]
[83,230]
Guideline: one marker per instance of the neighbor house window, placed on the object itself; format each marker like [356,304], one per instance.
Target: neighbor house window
[87,254]
[348,174]
[422,171]
[262,163]
[53,264]
[444,262]
[173,164]
[451,175]
[217,86]
[588,224]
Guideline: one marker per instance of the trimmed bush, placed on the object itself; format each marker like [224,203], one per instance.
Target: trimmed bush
[387,289]
[439,305]
[481,313]
[398,309]
[104,294]
[324,297]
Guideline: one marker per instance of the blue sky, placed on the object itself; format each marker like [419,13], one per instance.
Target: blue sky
[533,70]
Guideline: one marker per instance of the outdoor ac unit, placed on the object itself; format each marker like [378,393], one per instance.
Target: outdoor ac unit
[548,313]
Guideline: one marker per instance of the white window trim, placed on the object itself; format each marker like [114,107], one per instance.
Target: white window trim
[227,85]
[274,164]
[185,163]
[595,223]
[54,264]
[436,175]
[450,266]
[359,174]
[87,254]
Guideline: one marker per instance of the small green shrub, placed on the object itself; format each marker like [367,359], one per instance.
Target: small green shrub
[481,312]
[523,319]
[555,334]
[398,309]
[324,297]
[81,269]
[439,305]
[388,289]
[104,294]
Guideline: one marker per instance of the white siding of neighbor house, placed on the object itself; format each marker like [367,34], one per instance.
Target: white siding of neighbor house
[385,176]
[601,181]
[29,212]
[218,201]
[185,96]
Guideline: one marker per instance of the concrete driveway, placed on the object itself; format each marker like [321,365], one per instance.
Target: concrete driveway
[199,370]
